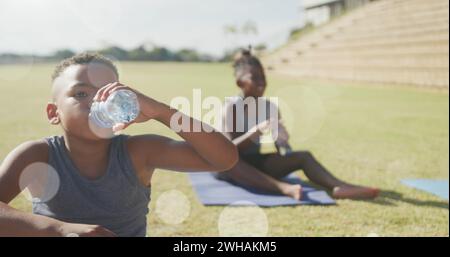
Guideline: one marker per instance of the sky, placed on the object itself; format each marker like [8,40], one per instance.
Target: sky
[43,26]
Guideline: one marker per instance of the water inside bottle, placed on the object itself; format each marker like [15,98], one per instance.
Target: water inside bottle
[123,107]
[120,107]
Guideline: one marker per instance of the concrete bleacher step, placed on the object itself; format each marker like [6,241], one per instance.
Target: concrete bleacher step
[397,30]
[387,42]
[437,62]
[381,52]
[438,21]
[419,47]
[393,49]
[405,33]
[396,24]
[406,14]
[420,77]
[406,6]
[386,55]
[356,62]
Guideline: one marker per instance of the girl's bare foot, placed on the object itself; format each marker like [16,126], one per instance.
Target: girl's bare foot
[294,191]
[355,192]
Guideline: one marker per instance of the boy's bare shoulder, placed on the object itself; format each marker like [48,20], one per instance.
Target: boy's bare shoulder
[29,152]
[15,162]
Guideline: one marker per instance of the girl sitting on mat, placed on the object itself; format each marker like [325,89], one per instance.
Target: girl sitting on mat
[264,171]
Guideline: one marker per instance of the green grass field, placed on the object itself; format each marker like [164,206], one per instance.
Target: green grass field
[366,134]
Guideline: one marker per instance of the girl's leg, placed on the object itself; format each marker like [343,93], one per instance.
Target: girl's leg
[279,166]
[247,175]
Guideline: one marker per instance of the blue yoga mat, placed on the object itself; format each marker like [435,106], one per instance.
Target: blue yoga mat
[212,191]
[435,186]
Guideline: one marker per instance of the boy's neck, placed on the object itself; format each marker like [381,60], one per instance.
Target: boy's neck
[85,147]
[90,157]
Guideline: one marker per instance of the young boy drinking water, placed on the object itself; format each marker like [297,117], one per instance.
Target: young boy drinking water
[104,182]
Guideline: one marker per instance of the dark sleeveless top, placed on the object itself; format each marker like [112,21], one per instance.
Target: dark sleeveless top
[116,201]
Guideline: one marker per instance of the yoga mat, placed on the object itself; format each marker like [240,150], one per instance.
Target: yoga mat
[212,191]
[437,187]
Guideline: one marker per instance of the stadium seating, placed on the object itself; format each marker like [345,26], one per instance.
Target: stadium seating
[385,41]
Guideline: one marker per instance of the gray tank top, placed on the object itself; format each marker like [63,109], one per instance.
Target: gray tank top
[254,147]
[116,201]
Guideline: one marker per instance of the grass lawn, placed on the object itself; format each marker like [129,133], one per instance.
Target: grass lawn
[363,133]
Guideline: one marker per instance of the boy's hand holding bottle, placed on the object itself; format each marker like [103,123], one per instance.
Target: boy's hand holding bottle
[117,106]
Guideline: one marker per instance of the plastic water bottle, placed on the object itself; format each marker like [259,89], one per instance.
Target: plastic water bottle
[121,106]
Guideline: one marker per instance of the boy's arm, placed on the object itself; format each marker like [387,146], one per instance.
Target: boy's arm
[12,221]
[206,150]
[201,151]
[17,223]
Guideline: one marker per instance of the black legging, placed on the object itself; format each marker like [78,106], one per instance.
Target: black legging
[278,166]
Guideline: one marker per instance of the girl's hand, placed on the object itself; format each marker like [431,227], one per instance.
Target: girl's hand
[283,135]
[265,125]
[148,106]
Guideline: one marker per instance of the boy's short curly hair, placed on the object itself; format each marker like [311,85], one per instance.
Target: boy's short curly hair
[83,58]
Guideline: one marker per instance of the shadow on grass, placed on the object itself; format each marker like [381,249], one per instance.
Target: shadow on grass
[386,197]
